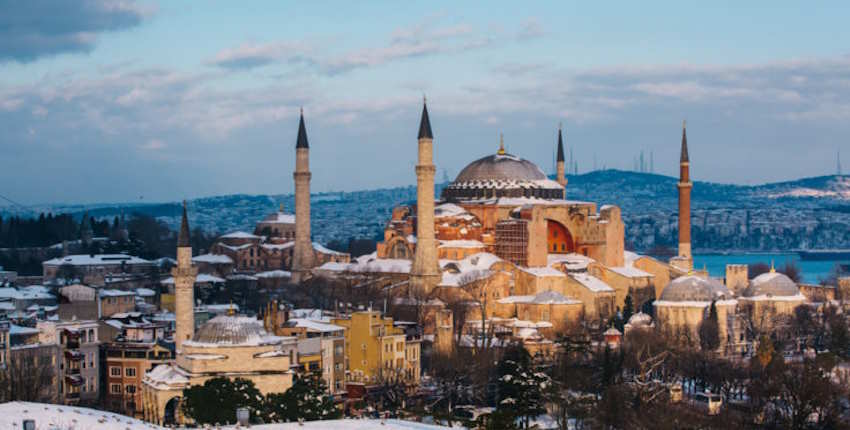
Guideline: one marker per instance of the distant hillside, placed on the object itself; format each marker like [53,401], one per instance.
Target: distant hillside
[764,217]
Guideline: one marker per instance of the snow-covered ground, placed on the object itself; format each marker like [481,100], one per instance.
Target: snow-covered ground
[56,417]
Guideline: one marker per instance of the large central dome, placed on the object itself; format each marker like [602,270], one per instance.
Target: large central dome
[500,167]
[502,175]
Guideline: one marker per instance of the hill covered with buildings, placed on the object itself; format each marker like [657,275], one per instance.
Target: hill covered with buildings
[810,213]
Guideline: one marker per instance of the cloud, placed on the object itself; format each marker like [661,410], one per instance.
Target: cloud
[38,28]
[531,29]
[153,145]
[423,39]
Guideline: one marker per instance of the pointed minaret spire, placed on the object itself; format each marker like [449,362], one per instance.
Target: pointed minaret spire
[684,259]
[302,133]
[425,122]
[183,237]
[559,166]
[501,144]
[184,274]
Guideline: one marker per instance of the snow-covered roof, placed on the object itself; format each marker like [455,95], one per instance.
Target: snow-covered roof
[278,246]
[104,292]
[97,259]
[73,417]
[145,292]
[239,235]
[274,274]
[9,293]
[202,278]
[231,331]
[17,330]
[461,244]
[543,298]
[630,272]
[543,271]
[212,259]
[312,325]
[572,262]
[370,264]
[311,314]
[591,282]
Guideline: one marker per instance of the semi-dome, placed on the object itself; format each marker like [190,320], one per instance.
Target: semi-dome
[693,288]
[226,330]
[771,284]
[502,175]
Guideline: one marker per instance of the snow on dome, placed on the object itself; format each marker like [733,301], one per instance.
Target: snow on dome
[225,330]
[202,278]
[692,288]
[74,417]
[279,218]
[640,319]
[771,284]
[239,235]
[502,175]
[543,298]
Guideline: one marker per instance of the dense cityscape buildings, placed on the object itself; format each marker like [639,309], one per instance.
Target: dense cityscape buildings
[484,277]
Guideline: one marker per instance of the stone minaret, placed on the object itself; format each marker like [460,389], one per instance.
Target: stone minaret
[184,282]
[302,258]
[685,186]
[561,178]
[425,273]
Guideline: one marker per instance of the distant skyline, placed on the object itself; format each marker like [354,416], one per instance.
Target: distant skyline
[123,101]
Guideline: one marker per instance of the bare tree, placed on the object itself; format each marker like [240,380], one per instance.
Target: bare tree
[29,376]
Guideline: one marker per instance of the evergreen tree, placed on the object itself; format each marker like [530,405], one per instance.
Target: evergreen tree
[523,390]
[628,308]
[709,330]
[217,400]
[307,399]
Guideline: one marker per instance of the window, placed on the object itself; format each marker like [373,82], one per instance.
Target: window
[131,389]
[114,371]
[115,388]
[130,371]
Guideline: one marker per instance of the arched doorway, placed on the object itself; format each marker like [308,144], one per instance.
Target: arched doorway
[560,241]
[169,416]
[399,249]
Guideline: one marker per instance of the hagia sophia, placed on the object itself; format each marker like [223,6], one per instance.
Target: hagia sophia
[503,245]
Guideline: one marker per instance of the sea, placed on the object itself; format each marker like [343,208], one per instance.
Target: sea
[812,271]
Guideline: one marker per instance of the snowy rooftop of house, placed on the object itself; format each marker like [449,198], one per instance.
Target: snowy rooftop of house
[592,283]
[230,331]
[49,416]
[9,293]
[543,298]
[212,259]
[274,274]
[17,330]
[630,272]
[115,293]
[202,278]
[219,308]
[572,262]
[543,271]
[145,292]
[312,325]
[97,259]
[239,235]
[461,244]
[311,314]
[370,263]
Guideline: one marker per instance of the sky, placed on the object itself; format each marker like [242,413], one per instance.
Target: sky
[128,101]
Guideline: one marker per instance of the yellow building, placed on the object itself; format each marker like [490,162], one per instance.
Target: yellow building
[378,350]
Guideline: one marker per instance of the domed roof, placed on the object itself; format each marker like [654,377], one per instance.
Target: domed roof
[502,175]
[225,330]
[640,319]
[695,289]
[500,167]
[773,284]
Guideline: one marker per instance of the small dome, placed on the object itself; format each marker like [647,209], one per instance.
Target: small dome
[228,330]
[773,284]
[694,288]
[640,319]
